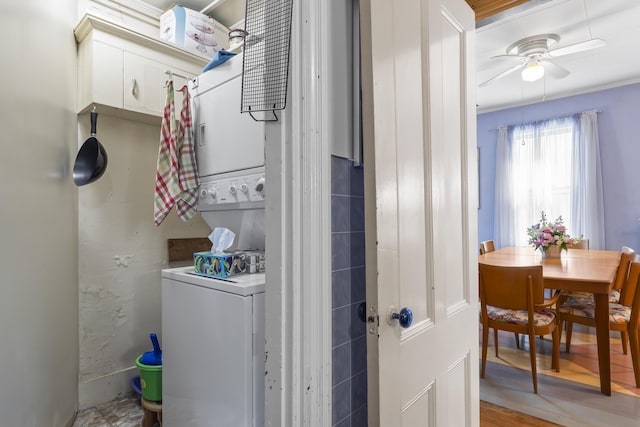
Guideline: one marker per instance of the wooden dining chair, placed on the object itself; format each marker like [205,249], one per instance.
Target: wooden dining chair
[579,299]
[512,299]
[487,246]
[626,255]
[624,316]
[582,244]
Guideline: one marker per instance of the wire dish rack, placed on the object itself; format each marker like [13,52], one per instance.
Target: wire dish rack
[265,63]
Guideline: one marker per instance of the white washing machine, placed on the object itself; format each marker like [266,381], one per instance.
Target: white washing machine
[213,350]
[213,329]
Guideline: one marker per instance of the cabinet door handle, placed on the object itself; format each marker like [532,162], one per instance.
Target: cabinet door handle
[134,86]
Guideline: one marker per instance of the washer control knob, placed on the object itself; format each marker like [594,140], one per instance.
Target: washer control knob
[232,189]
[208,192]
[244,188]
[260,185]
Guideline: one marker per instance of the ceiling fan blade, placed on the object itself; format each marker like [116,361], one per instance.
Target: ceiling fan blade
[507,56]
[555,70]
[575,48]
[502,74]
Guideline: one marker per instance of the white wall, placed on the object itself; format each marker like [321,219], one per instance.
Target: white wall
[339,78]
[121,254]
[38,228]
[121,251]
[52,234]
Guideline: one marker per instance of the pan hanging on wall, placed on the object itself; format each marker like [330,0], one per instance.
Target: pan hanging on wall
[91,161]
[265,63]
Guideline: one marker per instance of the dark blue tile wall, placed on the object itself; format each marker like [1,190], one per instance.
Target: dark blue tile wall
[348,292]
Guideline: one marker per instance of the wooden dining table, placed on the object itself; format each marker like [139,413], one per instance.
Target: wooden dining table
[576,270]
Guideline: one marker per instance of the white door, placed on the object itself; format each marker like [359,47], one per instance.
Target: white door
[421,195]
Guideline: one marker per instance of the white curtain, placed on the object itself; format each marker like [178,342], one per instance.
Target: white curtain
[587,202]
[503,217]
[551,166]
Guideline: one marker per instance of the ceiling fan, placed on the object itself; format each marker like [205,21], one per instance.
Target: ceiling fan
[535,55]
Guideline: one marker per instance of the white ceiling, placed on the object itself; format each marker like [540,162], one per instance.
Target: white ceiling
[615,21]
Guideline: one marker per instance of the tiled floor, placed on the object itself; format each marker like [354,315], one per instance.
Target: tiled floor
[125,412]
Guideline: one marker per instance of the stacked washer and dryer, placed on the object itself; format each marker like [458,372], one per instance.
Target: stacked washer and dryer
[213,329]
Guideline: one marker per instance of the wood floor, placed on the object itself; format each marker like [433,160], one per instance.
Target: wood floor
[569,398]
[497,416]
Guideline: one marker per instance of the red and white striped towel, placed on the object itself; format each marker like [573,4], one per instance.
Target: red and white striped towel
[167,188]
[188,170]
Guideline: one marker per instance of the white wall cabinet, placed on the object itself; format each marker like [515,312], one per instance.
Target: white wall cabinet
[125,72]
[144,84]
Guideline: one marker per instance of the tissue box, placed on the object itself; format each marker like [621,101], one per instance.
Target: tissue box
[219,265]
[194,31]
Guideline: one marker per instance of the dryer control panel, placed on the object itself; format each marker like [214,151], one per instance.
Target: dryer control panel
[246,191]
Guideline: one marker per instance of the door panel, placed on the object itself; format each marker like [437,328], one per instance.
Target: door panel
[447,166]
[419,409]
[457,413]
[420,157]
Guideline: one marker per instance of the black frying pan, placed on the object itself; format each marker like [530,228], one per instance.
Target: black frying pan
[91,161]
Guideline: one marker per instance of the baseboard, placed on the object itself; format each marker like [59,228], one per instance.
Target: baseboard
[105,388]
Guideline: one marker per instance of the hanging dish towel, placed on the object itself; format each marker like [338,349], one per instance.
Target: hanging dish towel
[167,187]
[188,170]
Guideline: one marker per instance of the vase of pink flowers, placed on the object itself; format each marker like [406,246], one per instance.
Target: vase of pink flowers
[550,237]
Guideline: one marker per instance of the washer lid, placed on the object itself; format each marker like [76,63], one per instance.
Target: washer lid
[241,284]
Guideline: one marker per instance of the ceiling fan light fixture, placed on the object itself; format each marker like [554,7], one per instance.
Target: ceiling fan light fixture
[533,71]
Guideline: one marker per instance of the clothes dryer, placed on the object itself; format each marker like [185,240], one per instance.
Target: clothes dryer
[230,154]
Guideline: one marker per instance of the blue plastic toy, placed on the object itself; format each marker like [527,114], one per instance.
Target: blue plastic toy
[152,357]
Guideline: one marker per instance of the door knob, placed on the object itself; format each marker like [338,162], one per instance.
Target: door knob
[362,312]
[405,317]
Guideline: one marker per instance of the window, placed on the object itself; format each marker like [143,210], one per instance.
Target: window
[553,165]
[541,164]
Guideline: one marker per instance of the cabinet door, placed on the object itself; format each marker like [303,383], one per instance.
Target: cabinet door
[104,64]
[144,85]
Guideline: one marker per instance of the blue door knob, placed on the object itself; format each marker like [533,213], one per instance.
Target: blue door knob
[405,317]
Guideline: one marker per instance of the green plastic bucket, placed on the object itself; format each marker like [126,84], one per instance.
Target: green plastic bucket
[150,381]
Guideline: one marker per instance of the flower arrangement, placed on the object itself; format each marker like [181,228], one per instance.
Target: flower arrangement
[545,234]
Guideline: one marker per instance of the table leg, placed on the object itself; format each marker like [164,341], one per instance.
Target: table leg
[602,333]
